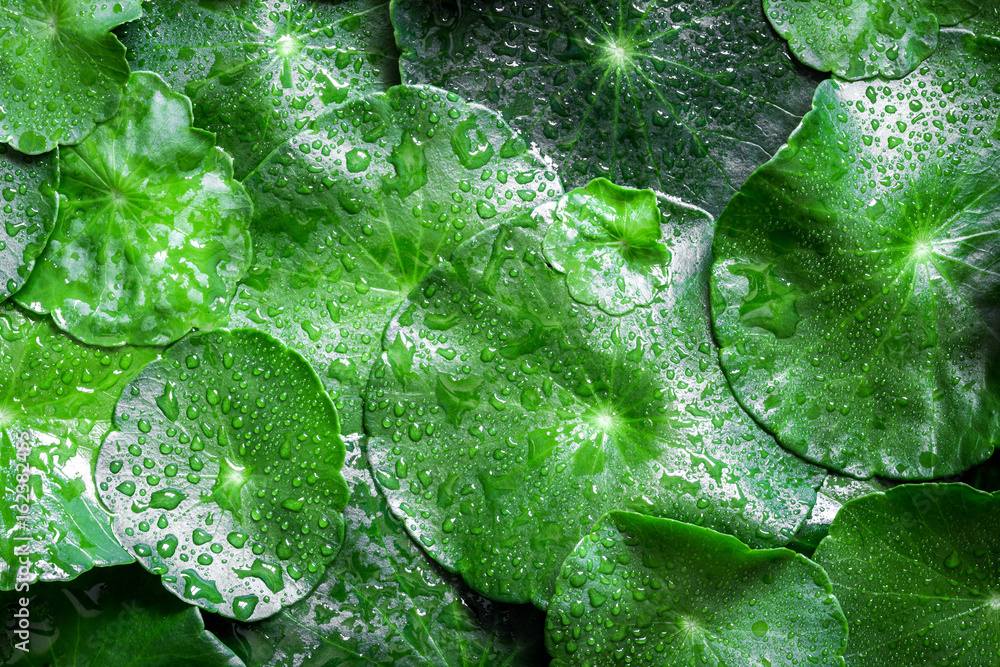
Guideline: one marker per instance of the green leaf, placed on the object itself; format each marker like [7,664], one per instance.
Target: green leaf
[916,571]
[837,490]
[355,210]
[669,594]
[606,239]
[865,38]
[27,214]
[224,473]
[385,602]
[685,98]
[528,415]
[111,618]
[855,287]
[257,70]
[56,401]
[61,69]
[150,239]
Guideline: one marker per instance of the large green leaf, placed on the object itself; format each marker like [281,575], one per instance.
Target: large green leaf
[56,401]
[150,238]
[385,602]
[865,38]
[684,97]
[668,594]
[61,69]
[355,210]
[224,473]
[856,290]
[112,618]
[258,70]
[27,214]
[917,570]
[506,417]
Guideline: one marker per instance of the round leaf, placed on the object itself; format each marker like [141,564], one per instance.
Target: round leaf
[150,239]
[865,38]
[111,618]
[856,283]
[506,417]
[224,473]
[354,211]
[27,214]
[56,401]
[62,71]
[684,97]
[258,70]
[668,594]
[917,570]
[385,602]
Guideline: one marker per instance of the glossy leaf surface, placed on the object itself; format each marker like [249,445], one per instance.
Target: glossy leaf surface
[687,98]
[61,69]
[112,618]
[27,214]
[57,398]
[385,602]
[354,211]
[856,284]
[257,71]
[150,239]
[506,417]
[865,38]
[917,571]
[224,473]
[670,594]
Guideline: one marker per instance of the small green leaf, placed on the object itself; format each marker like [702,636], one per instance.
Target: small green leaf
[27,214]
[150,238]
[258,71]
[686,98]
[111,618]
[856,281]
[530,415]
[56,402]
[236,497]
[865,38]
[61,69]
[668,594]
[355,210]
[917,571]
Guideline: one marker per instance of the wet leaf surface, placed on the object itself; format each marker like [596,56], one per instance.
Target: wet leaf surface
[27,214]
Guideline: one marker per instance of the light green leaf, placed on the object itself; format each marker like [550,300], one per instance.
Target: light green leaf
[917,571]
[224,473]
[385,602]
[355,210]
[684,97]
[56,401]
[112,618]
[258,71]
[857,274]
[150,239]
[668,594]
[527,415]
[27,214]
[61,69]
[865,38]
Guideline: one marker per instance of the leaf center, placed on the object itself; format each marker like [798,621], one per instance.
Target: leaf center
[288,47]
[618,53]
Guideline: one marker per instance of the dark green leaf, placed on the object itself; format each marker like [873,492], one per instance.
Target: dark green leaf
[524,415]
[668,594]
[61,69]
[150,239]
[917,571]
[224,473]
[857,278]
[27,214]
[684,97]
[257,71]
